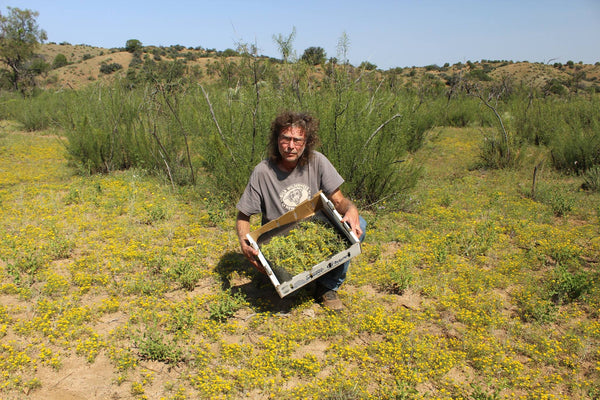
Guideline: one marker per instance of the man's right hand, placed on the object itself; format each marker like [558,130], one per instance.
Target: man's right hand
[251,253]
[243,228]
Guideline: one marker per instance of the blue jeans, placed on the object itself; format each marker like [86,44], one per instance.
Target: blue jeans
[334,278]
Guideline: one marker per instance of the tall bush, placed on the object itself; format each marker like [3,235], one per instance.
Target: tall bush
[577,149]
[114,128]
[366,131]
[176,127]
[368,134]
[570,127]
[34,112]
[232,131]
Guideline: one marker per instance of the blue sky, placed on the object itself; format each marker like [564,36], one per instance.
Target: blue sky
[386,33]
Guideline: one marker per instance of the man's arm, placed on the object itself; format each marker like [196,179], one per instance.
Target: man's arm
[348,210]
[242,226]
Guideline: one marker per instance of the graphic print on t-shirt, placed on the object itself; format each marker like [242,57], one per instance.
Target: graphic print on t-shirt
[293,195]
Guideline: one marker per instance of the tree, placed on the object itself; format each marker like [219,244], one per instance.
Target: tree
[20,36]
[369,66]
[229,53]
[314,56]
[285,44]
[38,66]
[133,45]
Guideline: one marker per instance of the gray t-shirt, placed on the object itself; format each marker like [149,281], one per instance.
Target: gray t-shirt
[273,192]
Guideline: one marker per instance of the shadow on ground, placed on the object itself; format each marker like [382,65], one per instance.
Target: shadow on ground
[257,287]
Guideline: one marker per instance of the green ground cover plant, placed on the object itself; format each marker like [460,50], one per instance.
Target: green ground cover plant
[303,247]
[476,290]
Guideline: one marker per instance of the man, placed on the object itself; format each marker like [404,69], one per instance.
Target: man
[295,172]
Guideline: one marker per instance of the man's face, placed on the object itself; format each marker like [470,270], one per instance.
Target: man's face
[291,144]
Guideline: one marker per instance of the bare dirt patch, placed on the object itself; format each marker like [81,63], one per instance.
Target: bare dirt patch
[79,380]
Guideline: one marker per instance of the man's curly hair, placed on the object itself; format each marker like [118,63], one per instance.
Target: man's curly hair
[288,119]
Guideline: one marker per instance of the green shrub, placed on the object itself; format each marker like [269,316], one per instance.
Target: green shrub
[38,66]
[571,129]
[554,86]
[183,318]
[104,130]
[496,153]
[186,273]
[566,286]
[110,68]
[533,120]
[153,213]
[533,305]
[461,111]
[576,150]
[479,75]
[475,241]
[109,129]
[557,198]
[457,118]
[356,134]
[591,178]
[34,112]
[396,277]
[228,53]
[59,61]
[25,267]
[226,305]
[366,65]
[580,142]
[33,117]
[136,61]
[153,345]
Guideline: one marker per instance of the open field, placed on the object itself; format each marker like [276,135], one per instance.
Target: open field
[117,286]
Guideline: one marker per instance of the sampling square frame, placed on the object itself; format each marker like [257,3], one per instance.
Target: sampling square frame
[318,204]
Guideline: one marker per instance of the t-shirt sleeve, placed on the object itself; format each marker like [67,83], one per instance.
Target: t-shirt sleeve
[251,200]
[330,178]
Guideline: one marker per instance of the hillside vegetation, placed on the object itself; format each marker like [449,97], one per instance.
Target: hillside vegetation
[85,62]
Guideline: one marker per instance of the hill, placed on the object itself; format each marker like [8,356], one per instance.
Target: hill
[85,63]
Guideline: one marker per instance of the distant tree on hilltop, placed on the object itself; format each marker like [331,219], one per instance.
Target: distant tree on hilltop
[314,55]
[133,45]
[369,66]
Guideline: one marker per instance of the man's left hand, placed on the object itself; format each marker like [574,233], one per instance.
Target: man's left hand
[351,217]
[348,210]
